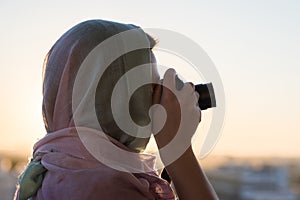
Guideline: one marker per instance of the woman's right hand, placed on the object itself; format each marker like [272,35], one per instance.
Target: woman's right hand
[180,110]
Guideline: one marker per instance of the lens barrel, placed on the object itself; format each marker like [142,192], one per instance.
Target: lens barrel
[206,96]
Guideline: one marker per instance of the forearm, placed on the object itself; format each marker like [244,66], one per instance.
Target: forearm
[189,179]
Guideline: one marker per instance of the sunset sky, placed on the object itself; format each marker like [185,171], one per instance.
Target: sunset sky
[255,46]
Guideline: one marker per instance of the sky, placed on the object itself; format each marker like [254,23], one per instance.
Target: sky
[255,46]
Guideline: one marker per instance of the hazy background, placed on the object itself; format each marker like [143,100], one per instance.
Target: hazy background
[255,46]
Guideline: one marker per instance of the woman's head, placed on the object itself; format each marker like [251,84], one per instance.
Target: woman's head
[60,70]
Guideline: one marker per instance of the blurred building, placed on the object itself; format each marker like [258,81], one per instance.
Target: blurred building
[246,183]
[8,180]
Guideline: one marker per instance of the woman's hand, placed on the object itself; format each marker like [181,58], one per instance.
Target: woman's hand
[180,110]
[182,118]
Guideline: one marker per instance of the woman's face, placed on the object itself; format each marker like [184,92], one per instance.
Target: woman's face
[140,101]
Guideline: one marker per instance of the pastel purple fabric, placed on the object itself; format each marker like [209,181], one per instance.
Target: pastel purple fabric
[72,171]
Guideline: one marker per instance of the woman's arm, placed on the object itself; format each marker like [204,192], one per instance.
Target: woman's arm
[188,178]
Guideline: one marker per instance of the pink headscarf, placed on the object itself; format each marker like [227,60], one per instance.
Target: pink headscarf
[72,170]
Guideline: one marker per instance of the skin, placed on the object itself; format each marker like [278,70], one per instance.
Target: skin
[187,175]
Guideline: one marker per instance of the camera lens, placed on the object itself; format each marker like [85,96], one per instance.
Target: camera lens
[207,96]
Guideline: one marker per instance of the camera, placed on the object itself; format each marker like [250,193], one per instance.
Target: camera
[206,94]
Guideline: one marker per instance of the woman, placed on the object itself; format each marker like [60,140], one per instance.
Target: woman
[75,159]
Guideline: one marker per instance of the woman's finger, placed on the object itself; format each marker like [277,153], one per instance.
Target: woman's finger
[192,84]
[169,78]
[196,99]
[200,113]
